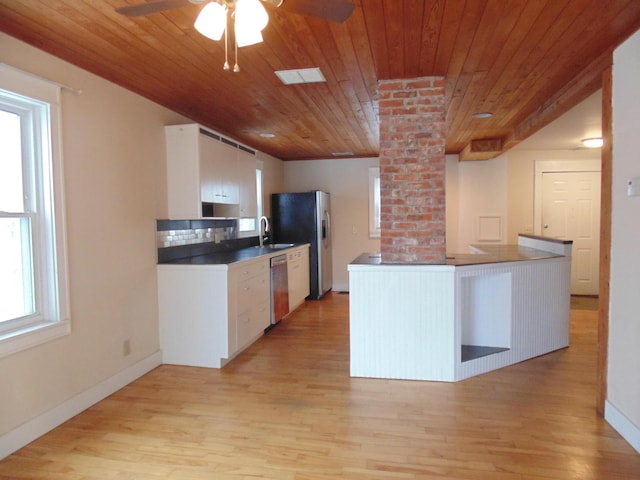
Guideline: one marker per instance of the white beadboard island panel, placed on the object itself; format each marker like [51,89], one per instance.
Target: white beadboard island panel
[539,297]
[410,321]
[401,322]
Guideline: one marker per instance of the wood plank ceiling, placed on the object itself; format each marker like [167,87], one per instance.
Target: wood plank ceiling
[526,61]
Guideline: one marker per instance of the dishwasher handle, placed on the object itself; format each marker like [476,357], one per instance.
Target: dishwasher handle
[279,260]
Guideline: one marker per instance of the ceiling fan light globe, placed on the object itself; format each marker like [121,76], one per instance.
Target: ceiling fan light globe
[244,38]
[250,20]
[212,20]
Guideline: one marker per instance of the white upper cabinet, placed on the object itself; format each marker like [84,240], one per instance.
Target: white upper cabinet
[202,167]
[218,166]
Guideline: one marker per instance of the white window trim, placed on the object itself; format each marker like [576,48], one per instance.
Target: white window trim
[56,321]
[374,174]
[256,222]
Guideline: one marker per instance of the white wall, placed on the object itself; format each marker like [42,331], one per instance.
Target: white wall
[623,399]
[481,189]
[114,155]
[347,181]
[452,199]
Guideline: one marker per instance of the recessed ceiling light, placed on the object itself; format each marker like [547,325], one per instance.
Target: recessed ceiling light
[595,142]
[268,135]
[482,115]
[300,75]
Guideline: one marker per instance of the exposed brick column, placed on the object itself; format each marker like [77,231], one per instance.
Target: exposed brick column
[412,170]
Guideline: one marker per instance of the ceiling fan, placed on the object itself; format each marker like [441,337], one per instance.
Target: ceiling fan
[331,10]
[249,17]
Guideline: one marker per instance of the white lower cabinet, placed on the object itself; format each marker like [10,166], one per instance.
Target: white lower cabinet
[298,276]
[251,283]
[209,313]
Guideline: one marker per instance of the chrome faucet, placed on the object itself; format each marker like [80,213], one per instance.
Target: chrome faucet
[265,231]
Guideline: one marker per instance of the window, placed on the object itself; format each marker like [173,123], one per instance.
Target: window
[248,225]
[374,202]
[33,287]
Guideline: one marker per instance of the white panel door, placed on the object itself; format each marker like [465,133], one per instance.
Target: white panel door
[571,211]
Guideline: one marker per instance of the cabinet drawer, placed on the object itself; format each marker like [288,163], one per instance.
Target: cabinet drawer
[252,269]
[252,291]
[293,256]
[295,265]
[251,324]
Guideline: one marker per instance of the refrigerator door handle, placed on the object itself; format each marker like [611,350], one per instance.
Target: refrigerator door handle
[326,230]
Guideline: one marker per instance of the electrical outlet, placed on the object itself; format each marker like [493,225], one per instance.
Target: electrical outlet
[126,347]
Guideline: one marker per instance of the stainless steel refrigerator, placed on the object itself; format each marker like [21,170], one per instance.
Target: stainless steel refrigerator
[306,218]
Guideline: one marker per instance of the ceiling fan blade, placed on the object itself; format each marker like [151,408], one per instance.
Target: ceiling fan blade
[152,7]
[332,10]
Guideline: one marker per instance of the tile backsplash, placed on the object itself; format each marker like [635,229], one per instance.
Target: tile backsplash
[173,238]
[177,239]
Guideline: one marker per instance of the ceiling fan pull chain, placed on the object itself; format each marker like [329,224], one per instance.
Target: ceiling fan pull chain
[226,61]
[236,67]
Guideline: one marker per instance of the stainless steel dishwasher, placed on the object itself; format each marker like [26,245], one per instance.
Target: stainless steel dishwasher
[279,288]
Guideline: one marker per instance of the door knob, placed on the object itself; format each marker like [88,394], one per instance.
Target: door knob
[546,225]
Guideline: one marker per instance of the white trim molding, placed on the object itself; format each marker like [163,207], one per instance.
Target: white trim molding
[489,228]
[624,426]
[28,432]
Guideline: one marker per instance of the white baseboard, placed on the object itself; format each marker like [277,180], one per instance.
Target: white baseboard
[340,287]
[624,426]
[38,426]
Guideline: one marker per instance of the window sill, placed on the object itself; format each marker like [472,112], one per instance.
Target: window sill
[22,339]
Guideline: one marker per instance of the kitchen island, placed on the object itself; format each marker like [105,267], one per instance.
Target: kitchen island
[496,306]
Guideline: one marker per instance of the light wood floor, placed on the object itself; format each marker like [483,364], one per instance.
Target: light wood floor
[287,409]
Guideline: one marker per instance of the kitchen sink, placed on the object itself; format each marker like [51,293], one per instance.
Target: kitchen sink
[276,245]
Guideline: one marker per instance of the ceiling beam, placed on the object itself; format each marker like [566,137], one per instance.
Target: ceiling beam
[481,149]
[585,83]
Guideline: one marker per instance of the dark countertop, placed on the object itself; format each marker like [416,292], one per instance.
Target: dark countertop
[490,254]
[232,256]
[546,239]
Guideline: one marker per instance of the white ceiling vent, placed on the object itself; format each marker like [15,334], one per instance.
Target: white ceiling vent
[300,75]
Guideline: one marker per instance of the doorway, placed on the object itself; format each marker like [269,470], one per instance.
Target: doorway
[567,206]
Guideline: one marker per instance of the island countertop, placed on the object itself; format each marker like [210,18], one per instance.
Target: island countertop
[486,254]
[482,254]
